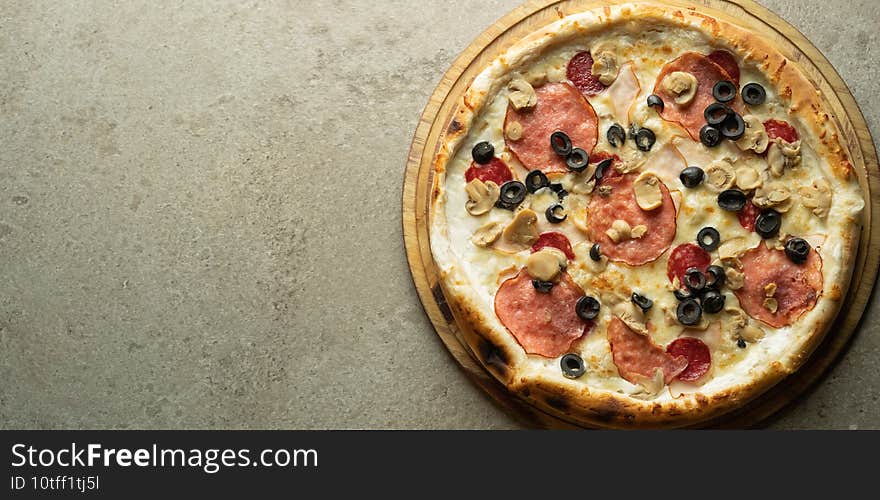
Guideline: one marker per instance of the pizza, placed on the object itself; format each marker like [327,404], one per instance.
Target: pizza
[643,216]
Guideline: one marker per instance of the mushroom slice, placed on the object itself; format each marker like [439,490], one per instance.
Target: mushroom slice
[605,66]
[638,231]
[681,85]
[774,195]
[747,178]
[755,138]
[720,175]
[817,197]
[521,94]
[647,191]
[546,264]
[735,279]
[632,316]
[620,230]
[523,229]
[481,196]
[487,234]
[514,130]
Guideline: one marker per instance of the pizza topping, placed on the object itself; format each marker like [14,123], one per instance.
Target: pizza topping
[748,215]
[684,257]
[512,193]
[727,62]
[817,197]
[747,178]
[523,229]
[770,289]
[708,238]
[755,137]
[713,301]
[768,223]
[546,264]
[716,113]
[619,231]
[637,358]
[514,131]
[697,354]
[782,155]
[724,91]
[692,177]
[797,250]
[481,196]
[544,324]
[798,285]
[773,195]
[689,312]
[645,139]
[605,66]
[602,167]
[572,366]
[556,214]
[710,136]
[717,277]
[587,308]
[577,160]
[596,252]
[777,129]
[753,94]
[544,287]
[730,251]
[487,234]
[632,316]
[644,303]
[580,72]
[647,191]
[536,180]
[681,85]
[734,127]
[495,170]
[735,279]
[616,135]
[654,101]
[561,112]
[732,200]
[521,94]
[694,279]
[483,152]
[554,240]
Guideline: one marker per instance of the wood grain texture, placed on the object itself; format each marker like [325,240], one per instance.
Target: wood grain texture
[537,13]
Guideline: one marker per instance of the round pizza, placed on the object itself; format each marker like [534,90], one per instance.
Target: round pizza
[643,216]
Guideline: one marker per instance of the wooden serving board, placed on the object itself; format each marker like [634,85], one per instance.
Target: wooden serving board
[538,13]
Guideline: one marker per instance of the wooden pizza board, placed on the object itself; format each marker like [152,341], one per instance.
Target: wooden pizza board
[538,13]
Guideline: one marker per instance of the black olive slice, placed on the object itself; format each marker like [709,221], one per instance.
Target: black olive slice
[724,91]
[708,238]
[692,177]
[741,343]
[616,135]
[733,127]
[797,250]
[689,312]
[768,223]
[754,94]
[655,101]
[710,136]
[559,190]
[556,213]
[732,200]
[683,294]
[602,167]
[542,286]
[560,143]
[596,252]
[643,302]
[645,139]
[716,113]
[536,180]
[577,160]
[573,366]
[717,277]
[713,301]
[694,279]
[512,194]
[587,308]
[483,153]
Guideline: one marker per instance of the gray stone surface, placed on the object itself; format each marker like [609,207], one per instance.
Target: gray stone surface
[200,215]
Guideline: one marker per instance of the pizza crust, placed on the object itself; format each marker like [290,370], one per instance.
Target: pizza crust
[574,400]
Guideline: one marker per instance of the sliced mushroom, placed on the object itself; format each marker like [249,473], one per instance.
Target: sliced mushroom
[770,290]
[523,229]
[748,178]
[647,191]
[775,160]
[638,231]
[735,279]
[620,230]
[514,130]
[737,323]
[782,155]
[649,387]
[605,65]
[681,85]
[817,197]
[773,195]
[632,316]
[720,175]
[546,264]
[481,196]
[730,251]
[487,234]
[521,94]
[751,333]
[771,305]
[755,138]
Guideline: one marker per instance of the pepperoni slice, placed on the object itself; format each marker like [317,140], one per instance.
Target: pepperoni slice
[610,172]
[782,130]
[726,60]
[560,107]
[580,73]
[698,356]
[797,286]
[496,171]
[555,240]
[545,324]
[684,257]
[637,357]
[748,216]
[707,73]
[621,204]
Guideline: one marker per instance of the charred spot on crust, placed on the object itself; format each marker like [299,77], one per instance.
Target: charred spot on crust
[441,302]
[557,402]
[493,356]
[603,414]
[455,126]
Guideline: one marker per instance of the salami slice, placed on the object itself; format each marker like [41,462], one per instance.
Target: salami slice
[781,130]
[621,204]
[560,107]
[707,73]
[797,286]
[545,324]
[698,356]
[580,72]
[748,216]
[725,59]
[555,240]
[684,257]
[496,171]
[636,356]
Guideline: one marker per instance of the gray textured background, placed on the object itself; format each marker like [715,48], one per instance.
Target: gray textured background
[200,214]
